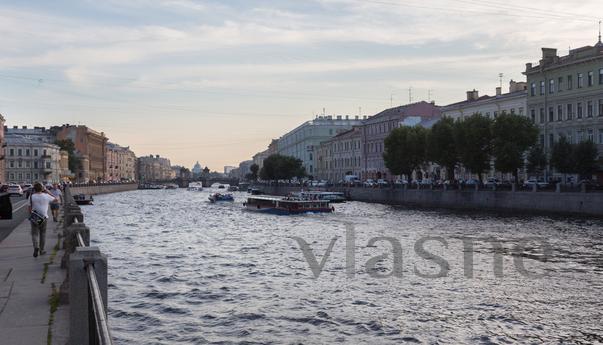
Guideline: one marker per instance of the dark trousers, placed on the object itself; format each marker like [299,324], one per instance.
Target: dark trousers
[38,235]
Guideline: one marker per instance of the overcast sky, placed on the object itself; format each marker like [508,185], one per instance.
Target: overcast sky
[214,81]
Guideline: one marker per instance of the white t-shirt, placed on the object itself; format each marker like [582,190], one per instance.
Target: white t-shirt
[40,202]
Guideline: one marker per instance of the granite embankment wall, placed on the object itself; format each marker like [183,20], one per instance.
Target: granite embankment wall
[590,204]
[95,189]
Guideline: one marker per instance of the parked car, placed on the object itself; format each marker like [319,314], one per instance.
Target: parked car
[492,181]
[531,182]
[15,189]
[382,183]
[472,182]
[369,183]
[426,181]
[401,182]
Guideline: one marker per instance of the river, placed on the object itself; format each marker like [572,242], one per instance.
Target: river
[184,271]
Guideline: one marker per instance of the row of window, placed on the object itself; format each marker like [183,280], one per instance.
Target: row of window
[18,177]
[28,164]
[568,111]
[345,146]
[384,127]
[512,111]
[580,136]
[343,163]
[560,84]
[12,152]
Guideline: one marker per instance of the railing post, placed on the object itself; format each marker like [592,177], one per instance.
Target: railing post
[79,302]
[558,187]
[70,240]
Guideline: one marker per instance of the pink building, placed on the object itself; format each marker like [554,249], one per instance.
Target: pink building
[376,128]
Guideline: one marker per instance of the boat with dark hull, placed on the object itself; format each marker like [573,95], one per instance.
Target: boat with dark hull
[215,197]
[286,205]
[83,199]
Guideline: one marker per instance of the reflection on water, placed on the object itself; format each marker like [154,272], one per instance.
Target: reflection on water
[184,271]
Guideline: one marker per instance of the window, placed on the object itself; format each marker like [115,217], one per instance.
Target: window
[600,76]
[580,80]
[600,136]
[541,115]
[579,110]
[533,89]
[591,78]
[11,164]
[559,84]
[11,152]
[533,115]
[20,164]
[591,136]
[19,152]
[48,163]
[513,111]
[570,82]
[580,136]
[27,152]
[570,111]
[35,164]
[552,86]
[521,111]
[495,114]
[542,88]
[601,107]
[551,114]
[551,140]
[589,109]
[559,113]
[35,152]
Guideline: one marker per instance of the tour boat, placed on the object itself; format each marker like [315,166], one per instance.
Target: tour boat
[286,205]
[83,199]
[220,197]
[333,197]
[195,186]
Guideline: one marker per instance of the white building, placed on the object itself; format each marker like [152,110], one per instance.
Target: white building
[513,102]
[303,141]
[30,160]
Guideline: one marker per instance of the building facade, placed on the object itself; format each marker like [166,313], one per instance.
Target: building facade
[120,163]
[90,146]
[376,128]
[303,141]
[512,102]
[340,156]
[2,153]
[154,169]
[565,95]
[29,161]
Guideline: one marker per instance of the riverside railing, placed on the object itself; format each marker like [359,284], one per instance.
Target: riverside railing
[87,280]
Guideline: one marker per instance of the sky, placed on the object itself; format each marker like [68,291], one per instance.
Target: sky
[214,81]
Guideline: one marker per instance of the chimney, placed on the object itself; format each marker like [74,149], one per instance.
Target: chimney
[498,91]
[472,95]
[356,117]
[24,127]
[15,127]
[347,117]
[549,56]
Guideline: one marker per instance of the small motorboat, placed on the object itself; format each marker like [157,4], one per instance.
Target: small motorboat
[83,199]
[215,197]
[195,186]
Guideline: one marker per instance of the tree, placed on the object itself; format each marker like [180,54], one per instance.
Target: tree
[536,160]
[473,139]
[585,159]
[562,156]
[279,167]
[405,150]
[441,148]
[74,161]
[253,175]
[512,136]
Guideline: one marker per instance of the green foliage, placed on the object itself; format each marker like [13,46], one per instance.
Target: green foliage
[473,139]
[441,147]
[585,159]
[537,160]
[279,167]
[253,175]
[562,156]
[69,146]
[405,150]
[512,136]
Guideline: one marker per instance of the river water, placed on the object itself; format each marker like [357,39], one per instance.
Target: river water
[184,271]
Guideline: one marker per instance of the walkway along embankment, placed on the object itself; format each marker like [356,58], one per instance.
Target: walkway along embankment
[541,202]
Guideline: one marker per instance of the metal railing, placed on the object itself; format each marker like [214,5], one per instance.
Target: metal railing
[98,330]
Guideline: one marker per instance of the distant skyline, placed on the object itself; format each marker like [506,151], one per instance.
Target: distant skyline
[215,81]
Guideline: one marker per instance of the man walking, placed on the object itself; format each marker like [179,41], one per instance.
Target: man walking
[39,202]
[55,205]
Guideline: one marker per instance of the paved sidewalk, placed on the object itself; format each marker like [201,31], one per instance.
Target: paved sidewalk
[25,290]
